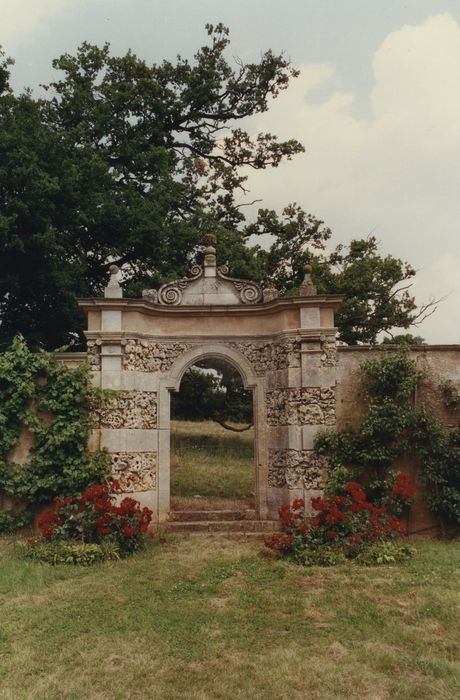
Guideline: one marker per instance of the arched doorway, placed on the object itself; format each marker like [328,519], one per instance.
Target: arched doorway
[212,443]
[251,383]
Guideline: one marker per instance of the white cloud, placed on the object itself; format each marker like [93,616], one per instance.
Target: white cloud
[395,174]
[21,19]
[24,20]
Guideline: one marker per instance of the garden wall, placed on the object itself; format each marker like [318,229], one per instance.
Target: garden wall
[438,363]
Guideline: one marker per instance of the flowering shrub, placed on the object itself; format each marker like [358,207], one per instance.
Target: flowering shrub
[93,517]
[341,524]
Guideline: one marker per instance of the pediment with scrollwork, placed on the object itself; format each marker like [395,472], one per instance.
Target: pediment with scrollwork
[208,285]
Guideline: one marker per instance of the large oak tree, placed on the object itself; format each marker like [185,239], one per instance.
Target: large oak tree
[128,163]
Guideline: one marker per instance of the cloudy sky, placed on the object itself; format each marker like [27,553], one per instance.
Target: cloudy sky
[377,107]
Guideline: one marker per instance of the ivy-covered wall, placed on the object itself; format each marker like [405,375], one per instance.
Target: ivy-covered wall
[45,424]
[437,365]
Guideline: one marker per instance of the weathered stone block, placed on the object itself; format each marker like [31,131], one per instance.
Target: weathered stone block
[136,472]
[310,317]
[111,320]
[285,436]
[296,469]
[134,409]
[306,406]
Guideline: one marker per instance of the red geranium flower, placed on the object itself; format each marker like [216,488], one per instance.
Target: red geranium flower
[298,504]
[129,531]
[285,514]
[404,486]
[353,486]
[318,503]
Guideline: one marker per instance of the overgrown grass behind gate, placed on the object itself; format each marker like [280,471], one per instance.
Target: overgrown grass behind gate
[211,463]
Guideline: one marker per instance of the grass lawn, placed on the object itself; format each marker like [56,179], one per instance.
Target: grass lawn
[211,467]
[209,618]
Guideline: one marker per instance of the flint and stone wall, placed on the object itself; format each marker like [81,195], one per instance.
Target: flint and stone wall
[306,384]
[293,378]
[284,349]
[302,383]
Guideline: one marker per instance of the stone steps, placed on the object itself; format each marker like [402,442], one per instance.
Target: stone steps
[243,527]
[202,515]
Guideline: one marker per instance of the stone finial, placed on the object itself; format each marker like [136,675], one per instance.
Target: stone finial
[209,239]
[307,288]
[210,264]
[113,289]
[270,293]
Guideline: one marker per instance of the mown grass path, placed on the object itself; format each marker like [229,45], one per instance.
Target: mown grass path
[211,467]
[209,618]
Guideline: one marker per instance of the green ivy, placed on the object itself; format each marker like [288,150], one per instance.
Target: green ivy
[438,449]
[11,522]
[451,395]
[392,427]
[384,433]
[53,402]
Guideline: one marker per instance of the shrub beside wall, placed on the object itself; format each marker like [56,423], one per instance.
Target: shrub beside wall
[393,426]
[53,403]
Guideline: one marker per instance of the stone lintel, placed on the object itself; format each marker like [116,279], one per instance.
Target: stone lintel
[306,336]
[111,350]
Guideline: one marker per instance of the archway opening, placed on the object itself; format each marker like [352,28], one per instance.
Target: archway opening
[212,440]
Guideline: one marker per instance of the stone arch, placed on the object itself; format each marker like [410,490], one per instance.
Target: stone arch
[284,349]
[223,351]
[251,380]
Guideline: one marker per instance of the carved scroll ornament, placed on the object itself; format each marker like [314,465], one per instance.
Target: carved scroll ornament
[171,293]
[249,292]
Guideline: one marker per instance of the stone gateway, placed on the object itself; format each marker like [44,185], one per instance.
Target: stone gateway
[284,349]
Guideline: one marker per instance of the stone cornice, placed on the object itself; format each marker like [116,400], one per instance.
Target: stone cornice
[330,301]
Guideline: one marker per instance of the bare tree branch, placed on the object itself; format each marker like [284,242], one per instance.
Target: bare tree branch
[231,427]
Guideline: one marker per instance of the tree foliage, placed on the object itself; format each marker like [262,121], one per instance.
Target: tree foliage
[124,163]
[216,395]
[128,163]
[376,288]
